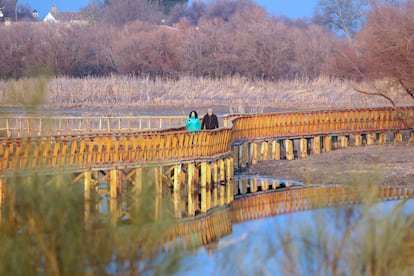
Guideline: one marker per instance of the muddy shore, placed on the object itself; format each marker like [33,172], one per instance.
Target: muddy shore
[390,164]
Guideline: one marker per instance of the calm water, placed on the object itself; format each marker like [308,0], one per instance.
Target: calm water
[279,245]
[255,247]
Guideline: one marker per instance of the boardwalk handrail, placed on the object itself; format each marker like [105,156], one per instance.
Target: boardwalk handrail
[105,150]
[24,125]
[35,125]
[128,149]
[306,123]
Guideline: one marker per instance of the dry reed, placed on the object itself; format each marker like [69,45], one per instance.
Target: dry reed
[232,94]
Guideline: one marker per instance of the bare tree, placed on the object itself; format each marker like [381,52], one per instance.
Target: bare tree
[195,11]
[385,51]
[347,16]
[313,46]
[266,47]
[120,12]
[143,49]
[14,10]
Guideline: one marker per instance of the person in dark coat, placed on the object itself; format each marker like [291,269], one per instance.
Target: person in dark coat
[210,120]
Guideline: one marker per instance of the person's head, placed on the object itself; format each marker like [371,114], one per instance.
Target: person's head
[210,111]
[193,114]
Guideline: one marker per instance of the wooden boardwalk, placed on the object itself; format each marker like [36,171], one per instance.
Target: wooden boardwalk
[121,149]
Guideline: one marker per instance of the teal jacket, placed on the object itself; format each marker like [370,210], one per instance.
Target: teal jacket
[193,123]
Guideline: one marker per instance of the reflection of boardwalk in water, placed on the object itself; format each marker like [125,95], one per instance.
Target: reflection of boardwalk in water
[209,228]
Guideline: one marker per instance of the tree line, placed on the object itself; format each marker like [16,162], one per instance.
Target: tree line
[215,40]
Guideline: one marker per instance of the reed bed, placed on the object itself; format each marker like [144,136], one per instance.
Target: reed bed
[232,94]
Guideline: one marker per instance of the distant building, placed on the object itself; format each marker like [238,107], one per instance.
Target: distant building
[65,17]
[35,15]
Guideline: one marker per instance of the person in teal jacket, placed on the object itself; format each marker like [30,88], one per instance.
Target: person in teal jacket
[193,122]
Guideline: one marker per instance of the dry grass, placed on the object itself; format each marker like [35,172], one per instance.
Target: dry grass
[232,95]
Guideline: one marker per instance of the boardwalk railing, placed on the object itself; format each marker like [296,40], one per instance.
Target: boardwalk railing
[24,126]
[106,150]
[131,148]
[291,124]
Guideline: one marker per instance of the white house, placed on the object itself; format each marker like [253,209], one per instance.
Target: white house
[65,17]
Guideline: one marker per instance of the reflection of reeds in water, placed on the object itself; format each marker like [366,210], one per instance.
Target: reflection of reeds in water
[354,236]
[44,228]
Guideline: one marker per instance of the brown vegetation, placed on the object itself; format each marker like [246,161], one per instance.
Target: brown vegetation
[229,53]
[228,95]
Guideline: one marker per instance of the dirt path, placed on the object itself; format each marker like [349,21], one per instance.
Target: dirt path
[385,164]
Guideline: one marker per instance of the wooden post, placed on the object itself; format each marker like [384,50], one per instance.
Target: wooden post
[113,183]
[240,156]
[243,186]
[87,214]
[158,179]
[275,150]
[177,201]
[177,169]
[371,137]
[253,185]
[208,198]
[158,206]
[229,169]
[214,202]
[203,187]
[229,192]
[398,137]
[113,207]
[190,175]
[222,171]
[215,172]
[245,152]
[253,153]
[265,184]
[138,180]
[203,199]
[316,146]
[343,141]
[222,195]
[289,149]
[87,185]
[382,138]
[303,147]
[358,140]
[1,194]
[275,184]
[264,151]
[327,143]
[208,174]
[411,137]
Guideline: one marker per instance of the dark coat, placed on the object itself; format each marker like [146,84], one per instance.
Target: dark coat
[210,122]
